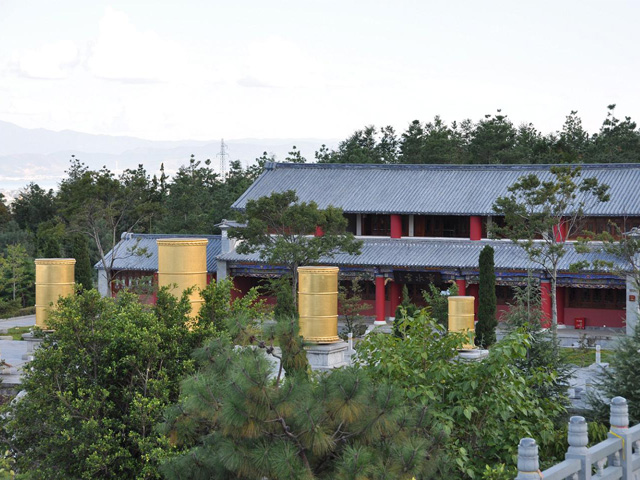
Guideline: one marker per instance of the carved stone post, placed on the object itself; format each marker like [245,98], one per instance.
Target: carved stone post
[528,463]
[619,420]
[578,439]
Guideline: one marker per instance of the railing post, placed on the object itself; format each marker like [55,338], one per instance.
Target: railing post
[528,464]
[578,439]
[619,420]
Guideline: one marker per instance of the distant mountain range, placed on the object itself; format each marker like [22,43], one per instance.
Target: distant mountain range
[42,156]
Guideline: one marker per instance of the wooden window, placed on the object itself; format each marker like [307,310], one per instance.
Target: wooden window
[441,226]
[376,225]
[606,298]
[504,295]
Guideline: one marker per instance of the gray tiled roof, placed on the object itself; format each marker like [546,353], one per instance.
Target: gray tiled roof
[437,253]
[149,262]
[430,189]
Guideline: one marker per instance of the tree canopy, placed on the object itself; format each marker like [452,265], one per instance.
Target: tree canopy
[281,229]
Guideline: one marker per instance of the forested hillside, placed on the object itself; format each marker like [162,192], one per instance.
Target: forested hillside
[90,209]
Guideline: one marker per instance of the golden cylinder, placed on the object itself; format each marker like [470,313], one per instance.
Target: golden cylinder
[182,264]
[462,316]
[55,278]
[318,304]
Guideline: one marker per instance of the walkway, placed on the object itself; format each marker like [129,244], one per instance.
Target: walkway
[13,352]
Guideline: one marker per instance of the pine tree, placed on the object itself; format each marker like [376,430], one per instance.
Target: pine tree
[486,327]
[83,270]
[287,329]
[51,248]
[620,379]
[235,421]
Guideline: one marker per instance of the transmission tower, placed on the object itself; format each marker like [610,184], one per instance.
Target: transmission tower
[223,157]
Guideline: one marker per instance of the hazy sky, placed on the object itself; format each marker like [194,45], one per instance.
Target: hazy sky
[234,69]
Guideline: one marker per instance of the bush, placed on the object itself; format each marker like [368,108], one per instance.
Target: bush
[350,302]
[404,311]
[543,352]
[620,379]
[98,385]
[438,302]
[486,406]
[10,308]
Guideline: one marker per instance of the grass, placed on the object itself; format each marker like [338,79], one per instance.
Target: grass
[581,357]
[16,332]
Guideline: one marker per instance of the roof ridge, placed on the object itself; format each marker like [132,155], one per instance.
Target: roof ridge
[444,166]
[170,235]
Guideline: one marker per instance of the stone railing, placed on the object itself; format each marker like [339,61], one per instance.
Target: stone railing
[618,457]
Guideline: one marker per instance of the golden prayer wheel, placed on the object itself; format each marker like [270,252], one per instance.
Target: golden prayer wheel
[55,278]
[318,304]
[462,316]
[182,264]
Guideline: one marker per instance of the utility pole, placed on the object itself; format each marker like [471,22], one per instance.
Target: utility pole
[223,157]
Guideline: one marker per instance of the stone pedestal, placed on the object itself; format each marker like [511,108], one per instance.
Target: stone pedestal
[327,357]
[472,355]
[33,343]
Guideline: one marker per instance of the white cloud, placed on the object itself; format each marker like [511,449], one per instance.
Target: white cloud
[277,62]
[123,53]
[51,61]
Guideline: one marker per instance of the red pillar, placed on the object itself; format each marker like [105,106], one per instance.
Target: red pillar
[319,231]
[473,291]
[462,286]
[396,226]
[560,292]
[379,300]
[545,295]
[560,231]
[396,296]
[475,227]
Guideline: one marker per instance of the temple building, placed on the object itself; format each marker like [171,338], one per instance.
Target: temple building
[134,264]
[426,224]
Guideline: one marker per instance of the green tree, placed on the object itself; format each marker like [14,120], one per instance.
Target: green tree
[618,141]
[412,144]
[295,156]
[235,421]
[404,311]
[493,140]
[487,322]
[98,385]
[620,379]
[573,140]
[443,143]
[33,206]
[218,304]
[438,302]
[83,268]
[103,206]
[486,406]
[50,237]
[14,270]
[193,195]
[525,315]
[536,212]
[350,307]
[364,146]
[5,214]
[279,228]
